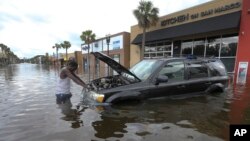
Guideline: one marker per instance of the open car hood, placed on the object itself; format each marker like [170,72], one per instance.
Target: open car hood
[113,64]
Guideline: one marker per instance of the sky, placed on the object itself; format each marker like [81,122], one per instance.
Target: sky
[32,27]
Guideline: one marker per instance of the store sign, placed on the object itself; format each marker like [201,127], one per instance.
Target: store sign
[242,72]
[85,48]
[116,44]
[188,16]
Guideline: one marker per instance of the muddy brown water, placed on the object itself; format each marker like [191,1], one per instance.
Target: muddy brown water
[29,112]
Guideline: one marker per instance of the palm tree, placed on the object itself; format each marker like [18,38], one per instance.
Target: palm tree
[1,55]
[66,45]
[147,16]
[4,49]
[7,52]
[57,46]
[11,57]
[2,46]
[88,37]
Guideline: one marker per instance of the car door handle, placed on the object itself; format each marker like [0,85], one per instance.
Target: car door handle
[181,86]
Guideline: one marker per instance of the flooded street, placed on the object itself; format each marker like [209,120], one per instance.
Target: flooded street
[29,112]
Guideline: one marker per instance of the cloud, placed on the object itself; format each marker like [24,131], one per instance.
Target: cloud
[32,27]
[8,17]
[37,19]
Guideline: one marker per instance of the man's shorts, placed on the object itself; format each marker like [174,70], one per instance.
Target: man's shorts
[61,98]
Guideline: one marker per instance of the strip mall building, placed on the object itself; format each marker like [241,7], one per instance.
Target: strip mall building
[219,28]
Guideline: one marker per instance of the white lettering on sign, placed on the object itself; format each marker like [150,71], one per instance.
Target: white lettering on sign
[239,132]
[185,17]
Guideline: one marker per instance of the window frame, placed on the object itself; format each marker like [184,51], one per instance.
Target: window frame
[188,64]
[184,71]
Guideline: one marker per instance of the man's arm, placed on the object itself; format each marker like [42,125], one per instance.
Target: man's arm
[78,78]
[75,78]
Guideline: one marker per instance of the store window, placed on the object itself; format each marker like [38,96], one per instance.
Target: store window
[158,50]
[116,57]
[186,48]
[160,54]
[229,63]
[147,49]
[146,55]
[228,51]
[213,46]
[153,55]
[116,45]
[160,46]
[199,47]
[223,47]
[177,49]
[229,46]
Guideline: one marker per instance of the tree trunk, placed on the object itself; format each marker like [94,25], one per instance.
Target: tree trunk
[143,44]
[66,54]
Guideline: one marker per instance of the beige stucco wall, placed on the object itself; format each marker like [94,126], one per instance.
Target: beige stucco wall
[71,54]
[135,30]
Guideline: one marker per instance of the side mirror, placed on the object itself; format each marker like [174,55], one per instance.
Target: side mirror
[161,79]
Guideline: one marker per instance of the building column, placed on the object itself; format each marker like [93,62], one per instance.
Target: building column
[79,60]
[243,51]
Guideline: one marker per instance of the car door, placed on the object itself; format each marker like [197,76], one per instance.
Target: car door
[198,78]
[176,84]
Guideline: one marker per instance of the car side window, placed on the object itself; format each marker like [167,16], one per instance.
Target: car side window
[216,68]
[197,70]
[173,70]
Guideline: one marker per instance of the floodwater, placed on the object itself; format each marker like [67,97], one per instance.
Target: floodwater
[29,112]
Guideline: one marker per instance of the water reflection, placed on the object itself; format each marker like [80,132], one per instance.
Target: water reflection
[205,116]
[240,105]
[70,114]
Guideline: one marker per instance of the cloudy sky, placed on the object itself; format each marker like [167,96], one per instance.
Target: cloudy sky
[32,27]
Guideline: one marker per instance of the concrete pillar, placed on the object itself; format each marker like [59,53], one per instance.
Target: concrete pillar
[243,52]
[79,60]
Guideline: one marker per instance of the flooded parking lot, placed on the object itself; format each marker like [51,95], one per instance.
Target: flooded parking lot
[29,112]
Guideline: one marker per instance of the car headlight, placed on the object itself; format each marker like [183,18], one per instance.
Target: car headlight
[97,97]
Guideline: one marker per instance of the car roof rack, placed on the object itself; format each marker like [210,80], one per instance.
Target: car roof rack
[191,56]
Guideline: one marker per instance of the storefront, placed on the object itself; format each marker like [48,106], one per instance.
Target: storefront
[117,48]
[208,30]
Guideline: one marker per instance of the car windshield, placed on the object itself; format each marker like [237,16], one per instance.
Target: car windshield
[144,69]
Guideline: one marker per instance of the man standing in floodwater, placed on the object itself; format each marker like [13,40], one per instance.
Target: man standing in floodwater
[63,84]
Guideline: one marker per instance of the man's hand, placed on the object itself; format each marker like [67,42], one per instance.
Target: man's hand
[84,86]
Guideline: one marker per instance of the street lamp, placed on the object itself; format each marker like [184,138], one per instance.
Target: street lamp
[108,41]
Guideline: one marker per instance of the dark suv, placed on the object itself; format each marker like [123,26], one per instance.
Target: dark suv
[154,78]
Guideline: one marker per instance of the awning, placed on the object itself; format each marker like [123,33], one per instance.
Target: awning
[228,21]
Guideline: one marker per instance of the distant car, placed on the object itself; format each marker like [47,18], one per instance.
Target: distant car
[154,78]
